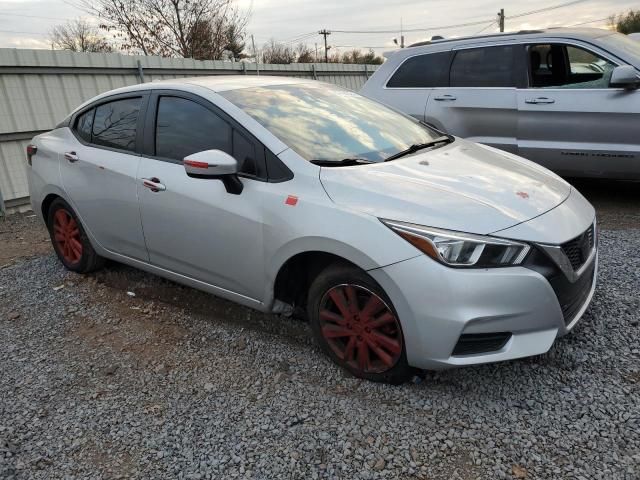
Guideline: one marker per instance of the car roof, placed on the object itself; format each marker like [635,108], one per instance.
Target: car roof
[575,33]
[222,83]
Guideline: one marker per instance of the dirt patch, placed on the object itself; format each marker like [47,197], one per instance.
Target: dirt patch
[22,236]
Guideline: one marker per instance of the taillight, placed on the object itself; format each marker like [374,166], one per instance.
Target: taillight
[31,151]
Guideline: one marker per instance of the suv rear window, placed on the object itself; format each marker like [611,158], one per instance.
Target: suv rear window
[422,71]
[484,67]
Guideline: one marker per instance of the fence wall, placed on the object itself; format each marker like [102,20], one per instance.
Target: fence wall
[38,88]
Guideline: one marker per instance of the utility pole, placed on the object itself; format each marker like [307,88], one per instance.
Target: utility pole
[255,54]
[316,52]
[501,19]
[324,33]
[401,34]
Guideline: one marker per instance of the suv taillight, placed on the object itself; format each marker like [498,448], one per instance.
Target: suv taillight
[31,151]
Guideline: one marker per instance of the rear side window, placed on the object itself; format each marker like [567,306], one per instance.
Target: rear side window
[422,71]
[115,124]
[184,127]
[85,124]
[484,67]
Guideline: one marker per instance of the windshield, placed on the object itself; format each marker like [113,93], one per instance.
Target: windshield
[624,44]
[325,122]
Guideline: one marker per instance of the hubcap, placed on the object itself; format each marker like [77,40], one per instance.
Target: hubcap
[67,236]
[360,328]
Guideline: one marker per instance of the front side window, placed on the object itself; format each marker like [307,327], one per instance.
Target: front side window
[184,127]
[567,67]
[422,71]
[115,124]
[484,67]
[323,122]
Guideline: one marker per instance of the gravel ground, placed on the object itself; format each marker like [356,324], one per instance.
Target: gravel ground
[174,383]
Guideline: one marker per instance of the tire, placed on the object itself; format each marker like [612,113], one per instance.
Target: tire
[70,240]
[367,340]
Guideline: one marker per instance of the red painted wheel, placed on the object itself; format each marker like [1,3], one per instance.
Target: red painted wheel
[69,239]
[66,234]
[360,328]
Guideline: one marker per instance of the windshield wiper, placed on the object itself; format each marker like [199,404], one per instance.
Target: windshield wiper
[445,139]
[345,162]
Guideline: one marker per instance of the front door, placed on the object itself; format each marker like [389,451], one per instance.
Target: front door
[193,226]
[480,103]
[99,169]
[570,120]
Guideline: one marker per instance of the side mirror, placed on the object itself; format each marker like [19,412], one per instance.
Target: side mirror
[215,164]
[625,76]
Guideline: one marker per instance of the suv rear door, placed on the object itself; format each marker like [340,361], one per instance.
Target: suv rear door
[410,85]
[569,119]
[480,102]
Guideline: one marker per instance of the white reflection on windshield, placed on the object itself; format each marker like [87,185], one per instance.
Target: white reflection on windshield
[324,122]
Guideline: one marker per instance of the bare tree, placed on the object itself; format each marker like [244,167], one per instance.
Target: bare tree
[304,54]
[274,52]
[79,36]
[172,28]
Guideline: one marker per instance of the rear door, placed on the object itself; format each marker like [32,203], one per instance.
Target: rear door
[570,120]
[412,82]
[193,226]
[98,170]
[480,102]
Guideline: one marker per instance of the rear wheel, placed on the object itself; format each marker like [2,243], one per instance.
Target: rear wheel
[69,239]
[355,323]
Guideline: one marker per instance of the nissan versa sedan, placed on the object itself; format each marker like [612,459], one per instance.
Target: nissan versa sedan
[403,247]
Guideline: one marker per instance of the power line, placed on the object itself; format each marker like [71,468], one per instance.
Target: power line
[546,9]
[28,33]
[590,21]
[3,14]
[484,28]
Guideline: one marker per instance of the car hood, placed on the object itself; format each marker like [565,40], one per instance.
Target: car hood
[462,186]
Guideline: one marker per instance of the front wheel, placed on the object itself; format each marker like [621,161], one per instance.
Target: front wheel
[355,323]
[69,239]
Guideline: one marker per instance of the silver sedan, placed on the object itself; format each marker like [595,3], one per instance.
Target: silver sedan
[403,247]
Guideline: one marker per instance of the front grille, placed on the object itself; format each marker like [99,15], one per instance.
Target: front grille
[573,296]
[579,249]
[474,343]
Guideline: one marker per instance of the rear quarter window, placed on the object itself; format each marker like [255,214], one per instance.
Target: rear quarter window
[422,71]
[84,125]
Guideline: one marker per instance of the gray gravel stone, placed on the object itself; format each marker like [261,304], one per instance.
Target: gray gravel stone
[93,387]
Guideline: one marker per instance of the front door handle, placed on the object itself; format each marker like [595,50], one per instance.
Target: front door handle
[153,184]
[445,98]
[71,156]
[540,101]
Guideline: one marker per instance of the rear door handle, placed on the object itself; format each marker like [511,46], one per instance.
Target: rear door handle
[153,184]
[71,156]
[540,101]
[445,98]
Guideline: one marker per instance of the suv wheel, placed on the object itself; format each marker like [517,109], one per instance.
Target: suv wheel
[355,324]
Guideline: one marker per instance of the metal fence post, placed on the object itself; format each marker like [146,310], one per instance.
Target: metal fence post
[3,210]
[244,68]
[366,71]
[313,69]
[140,72]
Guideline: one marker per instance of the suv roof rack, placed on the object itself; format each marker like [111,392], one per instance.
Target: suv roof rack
[493,35]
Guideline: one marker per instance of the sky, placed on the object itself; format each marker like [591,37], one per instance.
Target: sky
[26,23]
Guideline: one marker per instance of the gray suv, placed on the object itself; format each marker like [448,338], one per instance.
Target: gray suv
[565,98]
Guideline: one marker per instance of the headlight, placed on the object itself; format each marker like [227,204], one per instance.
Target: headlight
[461,249]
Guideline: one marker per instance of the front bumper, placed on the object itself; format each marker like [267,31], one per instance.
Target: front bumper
[438,304]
